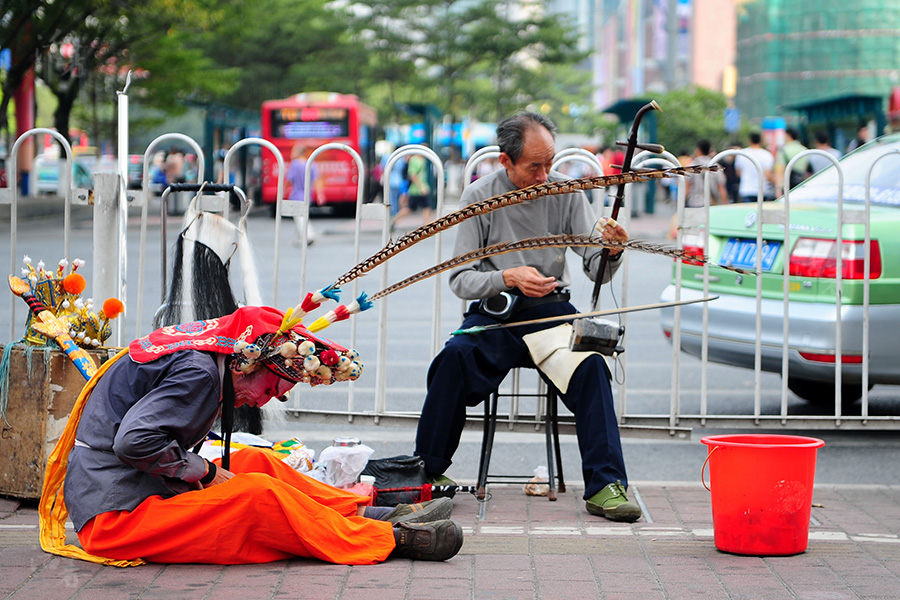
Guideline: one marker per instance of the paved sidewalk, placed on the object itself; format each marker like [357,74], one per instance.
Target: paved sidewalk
[524,548]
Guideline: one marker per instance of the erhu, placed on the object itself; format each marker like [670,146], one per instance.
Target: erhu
[592,333]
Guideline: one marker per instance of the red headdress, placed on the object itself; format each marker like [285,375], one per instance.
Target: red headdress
[256,335]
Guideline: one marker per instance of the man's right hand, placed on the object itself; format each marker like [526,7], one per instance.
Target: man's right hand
[529,280]
[222,475]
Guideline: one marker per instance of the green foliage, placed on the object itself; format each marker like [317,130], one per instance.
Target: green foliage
[567,101]
[28,28]
[275,48]
[689,115]
[471,57]
[108,39]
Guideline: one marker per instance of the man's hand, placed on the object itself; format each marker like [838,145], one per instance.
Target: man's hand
[529,280]
[611,231]
[222,475]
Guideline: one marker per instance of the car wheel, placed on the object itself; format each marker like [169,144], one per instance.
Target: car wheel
[821,393]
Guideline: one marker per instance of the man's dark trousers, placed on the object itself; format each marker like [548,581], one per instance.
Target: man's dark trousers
[470,367]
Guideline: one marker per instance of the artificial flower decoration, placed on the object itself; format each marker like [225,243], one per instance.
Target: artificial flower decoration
[61,294]
[112,308]
[74,284]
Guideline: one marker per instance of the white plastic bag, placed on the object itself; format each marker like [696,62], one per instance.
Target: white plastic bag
[317,473]
[343,464]
[300,459]
[537,485]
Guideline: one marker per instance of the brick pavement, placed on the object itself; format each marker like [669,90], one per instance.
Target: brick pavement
[520,547]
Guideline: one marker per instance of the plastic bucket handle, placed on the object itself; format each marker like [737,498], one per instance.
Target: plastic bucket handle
[703,468]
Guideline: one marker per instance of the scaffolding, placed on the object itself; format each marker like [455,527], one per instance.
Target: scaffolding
[796,53]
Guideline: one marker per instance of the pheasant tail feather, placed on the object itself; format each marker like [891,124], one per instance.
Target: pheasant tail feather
[551,241]
[474,209]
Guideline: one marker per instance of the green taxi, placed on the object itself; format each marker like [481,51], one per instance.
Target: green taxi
[810,256]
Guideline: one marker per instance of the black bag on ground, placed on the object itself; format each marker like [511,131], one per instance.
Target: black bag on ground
[405,472]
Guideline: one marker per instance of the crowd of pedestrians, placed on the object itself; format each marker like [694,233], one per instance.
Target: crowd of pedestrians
[740,181]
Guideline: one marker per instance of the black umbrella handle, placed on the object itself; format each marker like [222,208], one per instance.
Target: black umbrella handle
[620,189]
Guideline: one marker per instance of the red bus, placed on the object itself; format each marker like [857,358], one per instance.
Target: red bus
[319,118]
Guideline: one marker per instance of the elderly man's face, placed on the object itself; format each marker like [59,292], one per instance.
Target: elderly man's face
[533,166]
[258,387]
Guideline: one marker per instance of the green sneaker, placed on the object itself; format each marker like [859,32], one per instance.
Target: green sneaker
[439,480]
[443,486]
[612,503]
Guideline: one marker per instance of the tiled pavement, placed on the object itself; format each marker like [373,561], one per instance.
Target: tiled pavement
[524,547]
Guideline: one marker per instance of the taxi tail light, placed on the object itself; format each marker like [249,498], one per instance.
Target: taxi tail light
[692,245]
[830,358]
[817,257]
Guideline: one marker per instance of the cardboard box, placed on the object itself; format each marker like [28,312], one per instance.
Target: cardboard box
[43,387]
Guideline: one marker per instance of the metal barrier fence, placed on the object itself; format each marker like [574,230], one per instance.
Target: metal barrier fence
[145,204]
[13,198]
[696,222]
[690,221]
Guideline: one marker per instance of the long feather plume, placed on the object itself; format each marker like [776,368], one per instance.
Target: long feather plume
[550,188]
[550,241]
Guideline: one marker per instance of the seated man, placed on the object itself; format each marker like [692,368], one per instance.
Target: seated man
[470,367]
[136,492]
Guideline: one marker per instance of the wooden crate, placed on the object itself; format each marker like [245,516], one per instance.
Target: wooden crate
[43,387]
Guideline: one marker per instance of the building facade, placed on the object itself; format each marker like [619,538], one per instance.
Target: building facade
[642,47]
[828,64]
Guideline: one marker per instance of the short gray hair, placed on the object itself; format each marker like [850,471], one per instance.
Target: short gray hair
[511,132]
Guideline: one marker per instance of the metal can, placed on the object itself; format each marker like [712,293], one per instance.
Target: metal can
[346,441]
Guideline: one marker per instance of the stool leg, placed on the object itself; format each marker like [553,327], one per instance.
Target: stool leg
[487,444]
[548,437]
[552,402]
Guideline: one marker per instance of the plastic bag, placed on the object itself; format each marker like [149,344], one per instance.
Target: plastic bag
[539,484]
[301,458]
[343,464]
[317,473]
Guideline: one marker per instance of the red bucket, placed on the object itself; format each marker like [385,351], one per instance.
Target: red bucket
[761,488]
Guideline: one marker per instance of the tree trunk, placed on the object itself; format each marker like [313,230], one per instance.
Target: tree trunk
[95,123]
[14,78]
[66,100]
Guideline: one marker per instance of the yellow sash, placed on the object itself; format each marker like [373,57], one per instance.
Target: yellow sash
[52,508]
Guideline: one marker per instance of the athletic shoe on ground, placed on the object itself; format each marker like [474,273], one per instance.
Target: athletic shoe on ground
[439,540]
[612,503]
[444,487]
[423,512]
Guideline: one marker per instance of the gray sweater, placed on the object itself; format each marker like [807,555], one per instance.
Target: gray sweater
[548,215]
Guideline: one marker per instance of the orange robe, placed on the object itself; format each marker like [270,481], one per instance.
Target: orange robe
[266,512]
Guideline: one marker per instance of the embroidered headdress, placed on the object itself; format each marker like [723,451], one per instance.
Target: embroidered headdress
[256,336]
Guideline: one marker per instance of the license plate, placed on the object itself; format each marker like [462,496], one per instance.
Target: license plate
[741,253]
